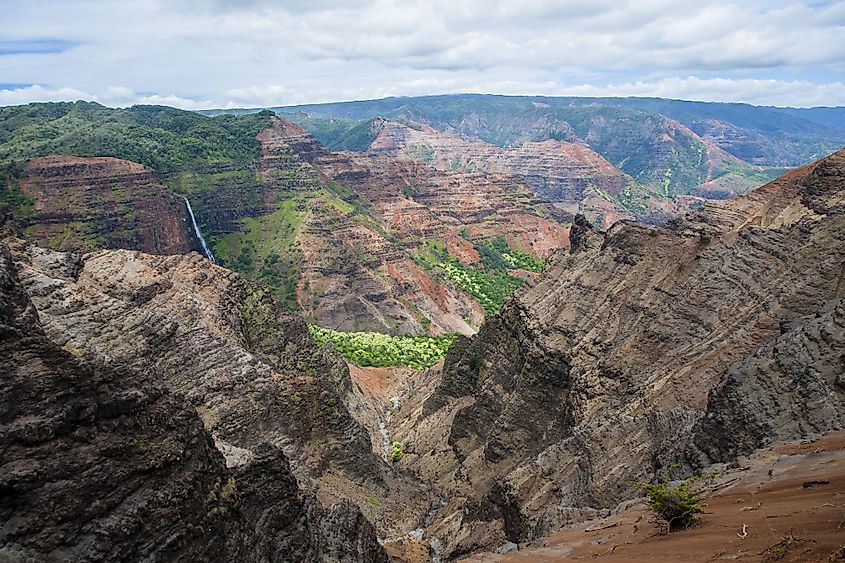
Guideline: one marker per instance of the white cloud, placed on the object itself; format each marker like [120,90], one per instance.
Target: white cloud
[114,96]
[36,93]
[196,53]
[752,91]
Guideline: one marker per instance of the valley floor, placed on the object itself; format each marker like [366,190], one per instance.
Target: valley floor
[771,496]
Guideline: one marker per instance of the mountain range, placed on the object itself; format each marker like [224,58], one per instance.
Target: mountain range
[440,207]
[422,328]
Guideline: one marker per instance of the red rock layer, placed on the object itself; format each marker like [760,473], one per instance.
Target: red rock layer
[82,203]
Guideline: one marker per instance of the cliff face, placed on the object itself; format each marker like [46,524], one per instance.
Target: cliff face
[332,234]
[102,461]
[693,342]
[343,230]
[569,175]
[85,203]
[249,368]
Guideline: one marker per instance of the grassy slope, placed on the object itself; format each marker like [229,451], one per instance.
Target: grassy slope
[337,134]
[489,283]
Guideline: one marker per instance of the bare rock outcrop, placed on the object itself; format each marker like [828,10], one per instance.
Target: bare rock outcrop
[248,367]
[102,462]
[697,341]
[569,175]
[363,218]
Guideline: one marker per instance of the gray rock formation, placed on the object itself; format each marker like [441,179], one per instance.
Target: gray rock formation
[698,341]
[101,462]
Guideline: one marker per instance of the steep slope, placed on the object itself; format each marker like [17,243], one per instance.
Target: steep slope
[249,368]
[693,342]
[767,136]
[569,175]
[668,146]
[100,462]
[764,494]
[100,202]
[337,238]
[344,240]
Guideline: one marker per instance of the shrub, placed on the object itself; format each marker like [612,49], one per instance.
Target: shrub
[676,504]
[490,284]
[396,452]
[383,350]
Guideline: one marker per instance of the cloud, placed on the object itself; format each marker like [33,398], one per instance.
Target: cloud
[754,91]
[36,93]
[448,34]
[34,46]
[112,96]
[265,52]
[800,93]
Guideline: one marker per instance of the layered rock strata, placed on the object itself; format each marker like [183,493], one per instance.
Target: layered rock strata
[86,203]
[249,368]
[101,461]
[641,347]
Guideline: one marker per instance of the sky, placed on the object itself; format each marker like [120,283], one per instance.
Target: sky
[197,54]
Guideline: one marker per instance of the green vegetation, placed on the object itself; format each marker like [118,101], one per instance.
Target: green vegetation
[382,350]
[163,138]
[754,176]
[489,284]
[632,133]
[12,198]
[676,504]
[191,152]
[265,250]
[496,254]
[396,452]
[338,134]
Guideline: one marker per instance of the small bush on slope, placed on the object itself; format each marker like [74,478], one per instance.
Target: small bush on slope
[676,504]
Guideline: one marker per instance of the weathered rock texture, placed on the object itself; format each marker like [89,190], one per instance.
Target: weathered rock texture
[693,342]
[568,174]
[86,203]
[101,461]
[363,217]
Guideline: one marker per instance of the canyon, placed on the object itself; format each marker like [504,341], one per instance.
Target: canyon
[607,325]
[642,347]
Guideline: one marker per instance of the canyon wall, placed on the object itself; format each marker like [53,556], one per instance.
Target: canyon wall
[642,346]
[87,203]
[102,460]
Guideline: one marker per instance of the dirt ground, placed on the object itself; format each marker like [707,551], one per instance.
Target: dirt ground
[785,504]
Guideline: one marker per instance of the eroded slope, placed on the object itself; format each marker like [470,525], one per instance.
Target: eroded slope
[697,341]
[249,368]
[87,203]
[103,462]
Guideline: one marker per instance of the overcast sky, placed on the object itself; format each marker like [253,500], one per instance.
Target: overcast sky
[247,53]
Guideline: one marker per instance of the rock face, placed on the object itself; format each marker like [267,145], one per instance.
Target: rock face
[668,146]
[332,234]
[86,203]
[569,175]
[354,222]
[693,342]
[101,461]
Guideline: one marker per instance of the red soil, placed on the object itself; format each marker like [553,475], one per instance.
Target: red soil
[784,519]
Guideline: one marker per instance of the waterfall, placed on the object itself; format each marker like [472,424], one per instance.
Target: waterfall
[205,249]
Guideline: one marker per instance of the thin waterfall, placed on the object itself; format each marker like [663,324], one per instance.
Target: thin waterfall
[205,249]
